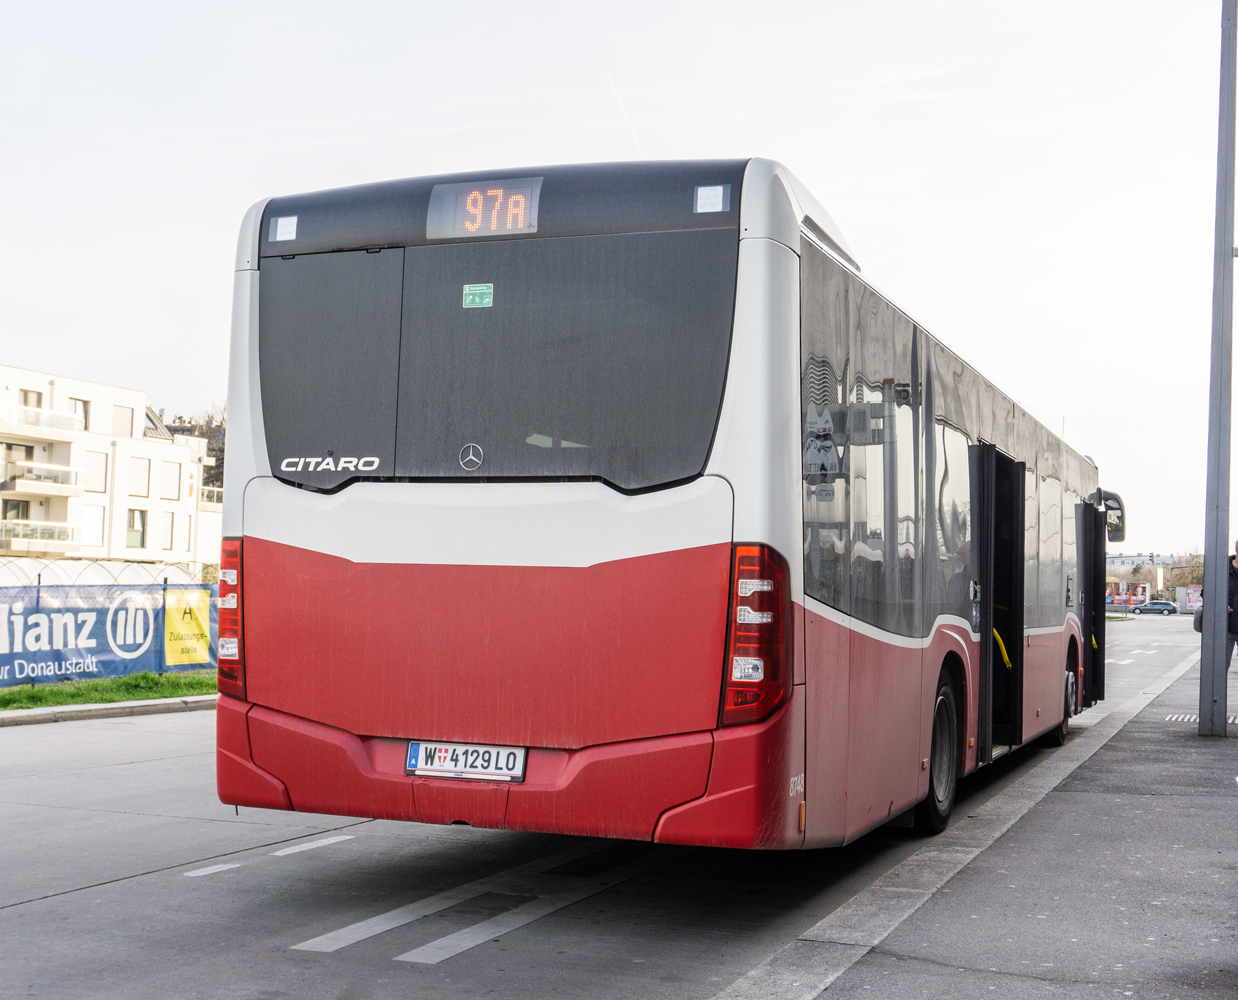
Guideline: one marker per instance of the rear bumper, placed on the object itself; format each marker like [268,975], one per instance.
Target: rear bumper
[629,790]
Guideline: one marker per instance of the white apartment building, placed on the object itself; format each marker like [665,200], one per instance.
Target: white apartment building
[89,471]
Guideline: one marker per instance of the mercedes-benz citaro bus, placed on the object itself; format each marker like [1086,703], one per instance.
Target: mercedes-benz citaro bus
[612,500]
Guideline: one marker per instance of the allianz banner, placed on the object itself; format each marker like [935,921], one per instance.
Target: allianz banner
[60,633]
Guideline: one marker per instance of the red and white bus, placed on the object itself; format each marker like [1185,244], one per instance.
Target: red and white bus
[611,500]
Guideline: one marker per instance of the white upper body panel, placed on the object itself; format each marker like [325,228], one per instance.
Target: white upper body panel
[757,443]
[246,450]
[490,524]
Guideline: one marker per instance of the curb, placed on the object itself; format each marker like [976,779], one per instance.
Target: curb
[106,710]
[809,964]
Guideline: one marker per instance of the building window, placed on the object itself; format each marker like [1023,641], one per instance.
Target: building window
[17,510]
[122,421]
[136,536]
[92,524]
[81,408]
[96,471]
[170,483]
[15,454]
[139,477]
[32,399]
[169,519]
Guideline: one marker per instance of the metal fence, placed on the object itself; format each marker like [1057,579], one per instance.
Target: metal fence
[26,571]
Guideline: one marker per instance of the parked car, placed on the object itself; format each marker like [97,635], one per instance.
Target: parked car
[1155,608]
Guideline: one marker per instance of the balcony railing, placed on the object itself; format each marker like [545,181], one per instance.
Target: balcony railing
[37,531]
[35,417]
[38,472]
[211,494]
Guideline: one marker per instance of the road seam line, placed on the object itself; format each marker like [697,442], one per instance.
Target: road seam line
[167,868]
[804,968]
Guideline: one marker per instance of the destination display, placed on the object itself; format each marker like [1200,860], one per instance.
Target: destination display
[483,208]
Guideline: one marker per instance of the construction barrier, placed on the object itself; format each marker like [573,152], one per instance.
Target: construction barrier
[56,633]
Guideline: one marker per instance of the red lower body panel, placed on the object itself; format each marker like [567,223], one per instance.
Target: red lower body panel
[548,656]
[239,781]
[756,785]
[327,770]
[616,790]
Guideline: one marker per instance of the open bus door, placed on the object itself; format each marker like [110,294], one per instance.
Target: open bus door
[997,596]
[1090,525]
[1102,518]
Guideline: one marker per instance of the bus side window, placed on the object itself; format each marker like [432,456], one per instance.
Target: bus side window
[1052,610]
[825,304]
[952,491]
[1031,551]
[885,427]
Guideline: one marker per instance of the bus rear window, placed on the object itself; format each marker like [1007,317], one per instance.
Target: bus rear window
[579,357]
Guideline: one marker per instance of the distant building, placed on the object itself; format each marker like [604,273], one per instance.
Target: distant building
[1119,560]
[90,471]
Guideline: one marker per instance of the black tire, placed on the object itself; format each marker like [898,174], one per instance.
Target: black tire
[1136,611]
[933,814]
[1056,736]
[1165,612]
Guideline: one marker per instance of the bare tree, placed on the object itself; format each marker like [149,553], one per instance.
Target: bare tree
[210,423]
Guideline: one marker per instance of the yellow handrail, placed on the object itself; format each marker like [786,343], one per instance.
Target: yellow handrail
[1002,646]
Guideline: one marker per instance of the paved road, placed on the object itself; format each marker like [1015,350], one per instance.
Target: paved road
[123,876]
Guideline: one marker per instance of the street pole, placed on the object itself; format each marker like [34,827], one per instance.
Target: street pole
[1212,667]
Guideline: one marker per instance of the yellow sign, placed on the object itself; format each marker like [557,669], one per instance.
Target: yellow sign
[187,627]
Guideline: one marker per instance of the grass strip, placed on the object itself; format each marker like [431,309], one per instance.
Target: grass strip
[132,687]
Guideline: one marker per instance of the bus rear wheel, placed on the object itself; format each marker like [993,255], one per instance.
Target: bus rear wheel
[933,814]
[1056,736]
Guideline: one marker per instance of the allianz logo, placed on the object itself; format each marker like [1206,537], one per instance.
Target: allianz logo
[329,464]
[128,627]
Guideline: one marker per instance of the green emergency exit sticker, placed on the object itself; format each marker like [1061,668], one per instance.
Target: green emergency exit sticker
[478,296]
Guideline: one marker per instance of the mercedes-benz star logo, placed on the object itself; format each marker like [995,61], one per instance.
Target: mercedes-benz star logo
[470,457]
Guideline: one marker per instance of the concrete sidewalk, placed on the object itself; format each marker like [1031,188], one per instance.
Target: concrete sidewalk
[1122,880]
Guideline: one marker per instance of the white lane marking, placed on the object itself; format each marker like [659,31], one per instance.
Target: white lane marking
[554,892]
[804,968]
[363,929]
[212,870]
[1181,717]
[353,933]
[1120,661]
[310,846]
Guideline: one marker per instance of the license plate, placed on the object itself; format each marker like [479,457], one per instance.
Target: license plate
[465,760]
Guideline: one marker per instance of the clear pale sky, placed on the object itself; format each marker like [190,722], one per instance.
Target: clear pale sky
[1034,183]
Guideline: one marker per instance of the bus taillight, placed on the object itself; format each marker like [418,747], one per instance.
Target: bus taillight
[758,662]
[231,633]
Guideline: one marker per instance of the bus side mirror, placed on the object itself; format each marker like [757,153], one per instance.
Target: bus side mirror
[1115,516]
